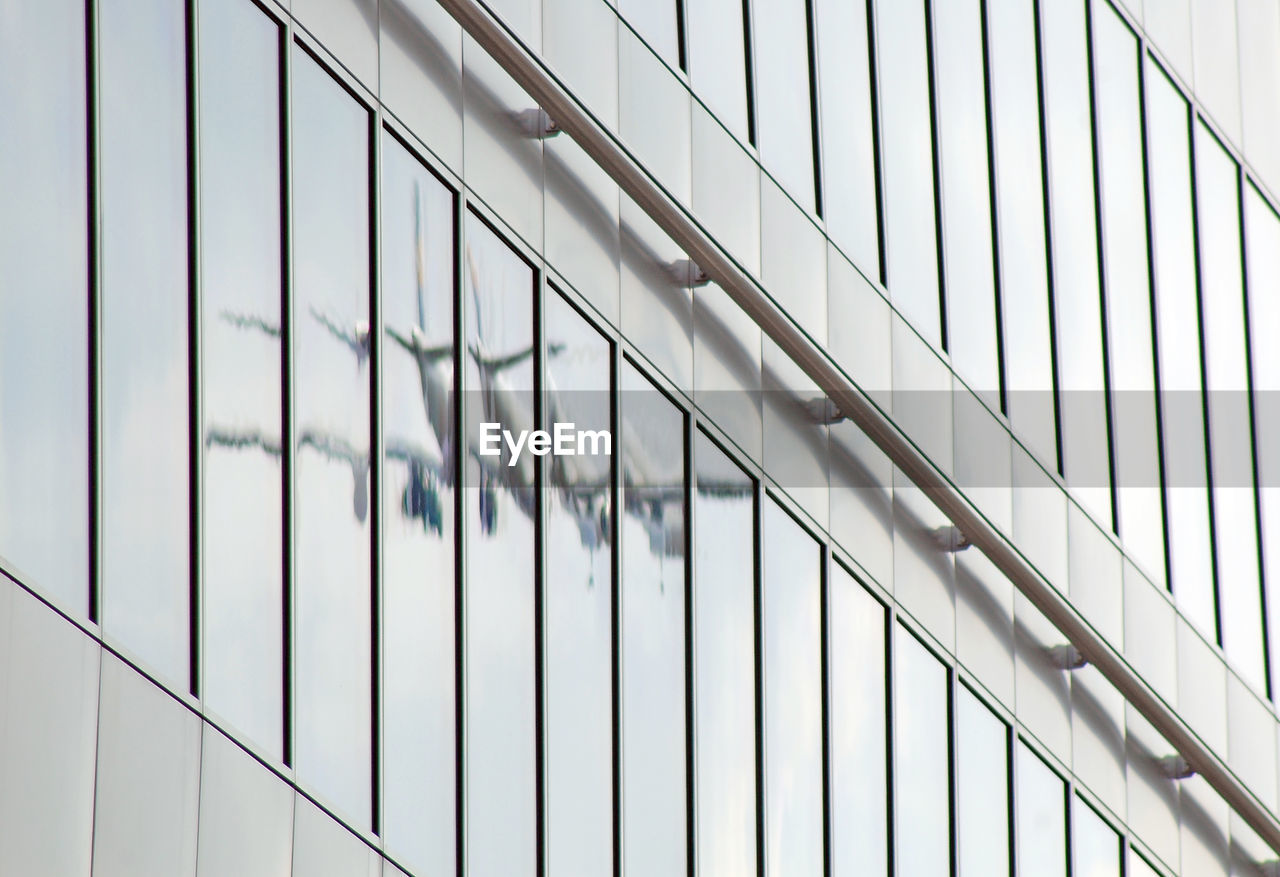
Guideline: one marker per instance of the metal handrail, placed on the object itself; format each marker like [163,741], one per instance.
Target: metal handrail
[606,149]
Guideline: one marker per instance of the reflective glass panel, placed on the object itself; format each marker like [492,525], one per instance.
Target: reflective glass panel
[1041,801]
[724,664]
[1178,336]
[850,198]
[1262,251]
[982,793]
[145,377]
[922,756]
[44,300]
[858,736]
[1226,371]
[578,653]
[911,252]
[1095,847]
[718,59]
[241,356]
[785,127]
[332,636]
[961,87]
[1128,290]
[1077,302]
[792,697]
[418,507]
[653,563]
[498,288]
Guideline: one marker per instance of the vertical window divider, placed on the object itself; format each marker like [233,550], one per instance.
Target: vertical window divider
[815,115]
[1145,140]
[992,201]
[936,154]
[890,744]
[615,569]
[94,291]
[1010,740]
[288,427]
[1100,244]
[195,443]
[824,657]
[876,129]
[540,572]
[682,38]
[690,418]
[953,787]
[748,58]
[757,546]
[376,468]
[459,464]
[1046,191]
[1193,120]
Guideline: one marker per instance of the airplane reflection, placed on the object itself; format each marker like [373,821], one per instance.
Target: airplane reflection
[431,461]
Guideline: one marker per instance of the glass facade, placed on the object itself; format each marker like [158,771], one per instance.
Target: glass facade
[298,573]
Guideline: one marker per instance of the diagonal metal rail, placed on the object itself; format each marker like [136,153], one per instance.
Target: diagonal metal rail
[608,151]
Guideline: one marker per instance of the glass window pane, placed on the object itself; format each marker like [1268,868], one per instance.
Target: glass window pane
[850,199]
[718,59]
[499,506]
[654,782]
[1226,370]
[331,402]
[982,793]
[1095,847]
[658,23]
[1128,290]
[724,664]
[1262,247]
[241,357]
[960,82]
[858,692]
[1024,268]
[792,696]
[579,601]
[785,129]
[145,370]
[1077,301]
[923,759]
[44,300]
[418,530]
[911,252]
[1178,328]
[1041,801]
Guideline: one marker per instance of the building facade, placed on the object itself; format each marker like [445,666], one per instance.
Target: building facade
[271,269]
